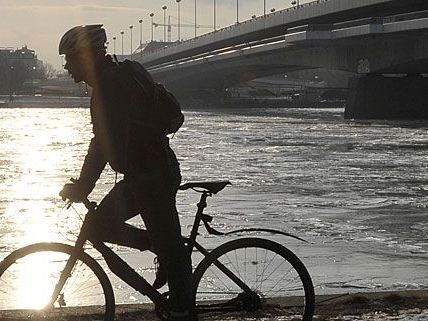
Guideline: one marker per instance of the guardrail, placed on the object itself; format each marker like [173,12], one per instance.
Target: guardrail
[294,30]
[228,28]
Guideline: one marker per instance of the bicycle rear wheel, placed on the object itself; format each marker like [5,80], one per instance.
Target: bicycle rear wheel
[28,277]
[277,283]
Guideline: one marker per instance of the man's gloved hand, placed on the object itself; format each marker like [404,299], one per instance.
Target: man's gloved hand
[75,191]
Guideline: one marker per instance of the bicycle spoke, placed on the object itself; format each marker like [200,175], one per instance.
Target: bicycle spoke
[285,286]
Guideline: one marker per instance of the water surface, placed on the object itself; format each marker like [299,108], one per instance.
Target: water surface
[357,191]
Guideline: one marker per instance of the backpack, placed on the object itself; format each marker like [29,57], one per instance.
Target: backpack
[160,111]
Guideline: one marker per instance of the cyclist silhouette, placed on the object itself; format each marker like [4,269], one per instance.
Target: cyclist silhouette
[151,170]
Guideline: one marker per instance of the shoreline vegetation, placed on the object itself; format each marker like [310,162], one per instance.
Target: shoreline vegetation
[391,305]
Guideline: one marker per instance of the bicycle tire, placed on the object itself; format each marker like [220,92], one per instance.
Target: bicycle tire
[215,293]
[28,277]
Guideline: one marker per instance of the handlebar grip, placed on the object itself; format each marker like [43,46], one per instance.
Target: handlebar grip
[88,204]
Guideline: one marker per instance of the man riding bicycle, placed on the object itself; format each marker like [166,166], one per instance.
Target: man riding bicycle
[151,170]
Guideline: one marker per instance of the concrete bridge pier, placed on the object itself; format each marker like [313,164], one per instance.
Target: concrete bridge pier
[376,96]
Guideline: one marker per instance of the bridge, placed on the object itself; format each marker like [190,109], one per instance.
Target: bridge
[368,38]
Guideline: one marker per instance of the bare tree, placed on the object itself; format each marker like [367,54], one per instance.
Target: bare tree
[49,71]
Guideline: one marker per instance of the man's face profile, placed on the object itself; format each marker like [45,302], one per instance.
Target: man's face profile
[80,65]
[74,67]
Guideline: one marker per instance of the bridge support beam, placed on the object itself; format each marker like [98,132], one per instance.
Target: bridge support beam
[381,97]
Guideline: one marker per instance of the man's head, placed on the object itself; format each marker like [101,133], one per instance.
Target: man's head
[83,46]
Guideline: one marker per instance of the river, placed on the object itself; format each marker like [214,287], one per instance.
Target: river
[357,191]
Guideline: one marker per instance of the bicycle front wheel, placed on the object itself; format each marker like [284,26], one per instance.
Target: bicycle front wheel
[28,277]
[253,279]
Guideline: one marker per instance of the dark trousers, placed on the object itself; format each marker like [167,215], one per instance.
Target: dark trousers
[154,199]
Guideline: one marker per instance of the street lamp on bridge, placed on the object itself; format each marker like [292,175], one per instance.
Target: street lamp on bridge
[237,11]
[141,33]
[195,20]
[114,45]
[121,33]
[151,16]
[178,11]
[130,28]
[164,23]
[214,17]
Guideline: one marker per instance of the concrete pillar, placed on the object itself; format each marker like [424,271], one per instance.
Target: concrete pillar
[380,97]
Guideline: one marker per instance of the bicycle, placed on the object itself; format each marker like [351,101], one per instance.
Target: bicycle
[248,275]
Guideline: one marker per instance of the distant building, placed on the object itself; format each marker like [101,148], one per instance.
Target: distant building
[19,69]
[24,55]
[22,73]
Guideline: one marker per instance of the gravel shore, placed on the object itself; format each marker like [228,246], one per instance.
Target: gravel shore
[379,306]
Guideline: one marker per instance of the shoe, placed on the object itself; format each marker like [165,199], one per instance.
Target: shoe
[161,275]
[183,316]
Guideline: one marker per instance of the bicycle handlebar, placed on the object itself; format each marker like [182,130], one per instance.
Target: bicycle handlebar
[88,204]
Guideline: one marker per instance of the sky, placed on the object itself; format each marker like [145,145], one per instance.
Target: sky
[39,24]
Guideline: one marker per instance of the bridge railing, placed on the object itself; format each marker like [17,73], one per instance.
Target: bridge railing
[227,29]
[346,25]
[275,24]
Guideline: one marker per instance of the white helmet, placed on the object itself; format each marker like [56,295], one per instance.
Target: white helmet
[86,36]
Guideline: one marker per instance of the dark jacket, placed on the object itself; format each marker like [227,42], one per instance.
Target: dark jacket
[127,147]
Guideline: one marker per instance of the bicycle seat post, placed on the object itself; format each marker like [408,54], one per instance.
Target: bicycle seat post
[201,205]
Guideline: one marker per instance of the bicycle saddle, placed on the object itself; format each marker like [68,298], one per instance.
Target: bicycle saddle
[212,187]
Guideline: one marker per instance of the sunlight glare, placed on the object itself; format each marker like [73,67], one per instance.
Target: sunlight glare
[35,283]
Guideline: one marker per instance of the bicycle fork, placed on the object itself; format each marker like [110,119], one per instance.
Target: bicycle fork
[71,263]
[65,274]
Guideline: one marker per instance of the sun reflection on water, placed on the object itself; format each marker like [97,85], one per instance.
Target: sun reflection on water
[34,160]
[33,142]
[34,292]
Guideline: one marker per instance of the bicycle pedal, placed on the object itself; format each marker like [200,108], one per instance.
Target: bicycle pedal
[165,294]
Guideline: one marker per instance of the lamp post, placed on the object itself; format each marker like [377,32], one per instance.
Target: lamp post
[178,9]
[121,33]
[214,17]
[130,28]
[141,33]
[164,23]
[151,16]
[264,7]
[114,45]
[237,11]
[195,20]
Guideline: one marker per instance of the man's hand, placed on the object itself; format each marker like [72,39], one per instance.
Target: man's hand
[75,191]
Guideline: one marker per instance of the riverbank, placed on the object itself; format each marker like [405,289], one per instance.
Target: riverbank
[379,306]
[375,306]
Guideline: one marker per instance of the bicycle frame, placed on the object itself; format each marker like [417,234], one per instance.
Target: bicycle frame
[125,272]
